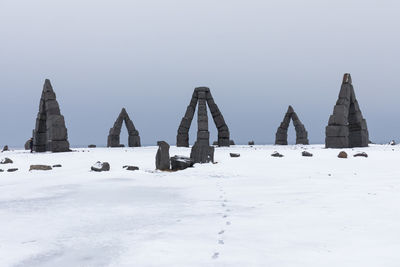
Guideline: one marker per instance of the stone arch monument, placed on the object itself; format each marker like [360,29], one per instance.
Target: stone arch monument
[301,133]
[50,133]
[113,137]
[202,95]
[346,127]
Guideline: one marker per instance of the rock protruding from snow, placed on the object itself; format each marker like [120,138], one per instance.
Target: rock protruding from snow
[234,155]
[12,170]
[251,143]
[276,154]
[6,161]
[57,166]
[40,168]
[131,168]
[5,148]
[361,154]
[342,155]
[162,156]
[91,146]
[101,167]
[306,154]
[346,127]
[301,133]
[181,163]
[113,139]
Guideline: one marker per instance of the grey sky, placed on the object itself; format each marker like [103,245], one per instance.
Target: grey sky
[148,56]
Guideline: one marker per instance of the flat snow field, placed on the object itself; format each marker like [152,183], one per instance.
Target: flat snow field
[254,210]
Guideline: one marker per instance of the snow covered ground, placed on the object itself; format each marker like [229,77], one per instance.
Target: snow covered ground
[254,210]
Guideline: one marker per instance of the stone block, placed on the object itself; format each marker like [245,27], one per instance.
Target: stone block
[336,142]
[336,130]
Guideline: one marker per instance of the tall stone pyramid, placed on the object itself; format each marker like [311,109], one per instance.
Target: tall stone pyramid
[113,139]
[301,133]
[50,133]
[346,127]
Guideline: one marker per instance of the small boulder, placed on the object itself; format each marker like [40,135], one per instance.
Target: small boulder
[12,170]
[231,142]
[215,143]
[342,155]
[276,154]
[234,155]
[101,167]
[181,163]
[57,166]
[40,168]
[306,154]
[91,146]
[1,170]
[392,143]
[131,168]
[361,154]
[5,148]
[251,143]
[6,161]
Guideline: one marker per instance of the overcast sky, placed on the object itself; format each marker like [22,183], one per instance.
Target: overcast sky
[257,57]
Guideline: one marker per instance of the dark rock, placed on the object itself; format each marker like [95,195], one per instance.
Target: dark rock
[100,167]
[91,146]
[234,155]
[346,126]
[202,98]
[12,170]
[231,142]
[181,163]
[1,170]
[50,133]
[162,156]
[5,148]
[131,168]
[342,155]
[27,145]
[6,161]
[57,166]
[40,167]
[392,143]
[215,143]
[301,133]
[306,154]
[113,139]
[361,154]
[251,143]
[276,154]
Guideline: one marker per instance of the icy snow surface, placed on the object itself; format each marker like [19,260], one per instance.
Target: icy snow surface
[255,210]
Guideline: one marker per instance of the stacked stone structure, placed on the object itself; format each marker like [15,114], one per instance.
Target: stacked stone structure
[50,133]
[301,133]
[202,95]
[113,139]
[346,127]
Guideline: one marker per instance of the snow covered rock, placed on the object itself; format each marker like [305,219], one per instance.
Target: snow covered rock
[101,167]
[6,161]
[342,155]
[181,163]
[40,168]
[5,148]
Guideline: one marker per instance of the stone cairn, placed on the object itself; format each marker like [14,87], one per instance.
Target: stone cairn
[346,127]
[113,139]
[203,96]
[301,133]
[50,133]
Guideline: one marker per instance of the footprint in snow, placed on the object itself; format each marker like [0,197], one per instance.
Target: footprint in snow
[221,242]
[228,223]
[221,232]
[215,256]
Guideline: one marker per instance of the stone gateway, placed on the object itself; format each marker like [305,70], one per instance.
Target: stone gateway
[50,133]
[301,133]
[346,127]
[202,95]
[114,134]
